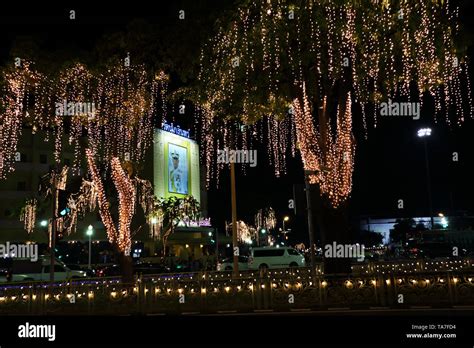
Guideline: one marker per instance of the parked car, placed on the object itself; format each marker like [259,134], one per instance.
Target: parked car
[75,267]
[275,257]
[228,264]
[150,268]
[25,270]
[109,271]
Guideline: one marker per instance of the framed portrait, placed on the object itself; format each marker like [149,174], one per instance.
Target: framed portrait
[178,169]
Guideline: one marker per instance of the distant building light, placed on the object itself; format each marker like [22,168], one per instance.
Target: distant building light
[424,132]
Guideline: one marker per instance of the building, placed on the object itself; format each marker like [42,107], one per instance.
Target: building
[177,172]
[172,164]
[35,156]
[448,230]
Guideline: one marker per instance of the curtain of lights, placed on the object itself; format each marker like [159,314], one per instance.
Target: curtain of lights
[267,72]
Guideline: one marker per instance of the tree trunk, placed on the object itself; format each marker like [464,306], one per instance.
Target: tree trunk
[332,226]
[332,222]
[126,266]
[335,229]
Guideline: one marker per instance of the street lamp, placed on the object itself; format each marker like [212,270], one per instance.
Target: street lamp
[285,219]
[424,133]
[89,232]
[444,221]
[44,223]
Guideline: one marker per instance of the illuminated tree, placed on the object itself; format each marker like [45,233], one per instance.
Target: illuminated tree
[172,211]
[120,122]
[118,235]
[116,131]
[292,72]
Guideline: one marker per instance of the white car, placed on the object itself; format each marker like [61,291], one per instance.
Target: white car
[275,257]
[61,273]
[228,264]
[25,270]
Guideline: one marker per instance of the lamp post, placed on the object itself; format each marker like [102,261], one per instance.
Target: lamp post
[90,231]
[235,244]
[424,133]
[285,219]
[309,208]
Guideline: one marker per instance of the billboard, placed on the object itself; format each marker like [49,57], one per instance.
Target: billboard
[175,165]
[178,169]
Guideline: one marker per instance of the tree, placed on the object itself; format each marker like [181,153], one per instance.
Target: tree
[106,115]
[401,230]
[172,211]
[370,238]
[119,236]
[292,72]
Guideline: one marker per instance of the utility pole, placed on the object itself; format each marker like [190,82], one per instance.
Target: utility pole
[217,246]
[428,182]
[424,133]
[235,245]
[54,196]
[307,173]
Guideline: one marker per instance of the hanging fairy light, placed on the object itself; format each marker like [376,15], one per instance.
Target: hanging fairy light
[118,121]
[28,215]
[102,199]
[20,83]
[126,194]
[375,50]
[245,233]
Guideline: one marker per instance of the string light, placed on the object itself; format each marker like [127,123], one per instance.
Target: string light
[28,215]
[119,122]
[373,50]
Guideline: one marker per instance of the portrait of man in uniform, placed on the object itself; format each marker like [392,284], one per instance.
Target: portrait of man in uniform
[177,169]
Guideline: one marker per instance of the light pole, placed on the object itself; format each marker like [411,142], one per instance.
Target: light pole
[235,244]
[424,133]
[90,231]
[285,219]
[309,208]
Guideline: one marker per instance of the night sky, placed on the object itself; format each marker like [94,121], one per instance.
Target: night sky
[389,164]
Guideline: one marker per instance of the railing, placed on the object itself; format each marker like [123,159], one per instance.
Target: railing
[412,265]
[216,292]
